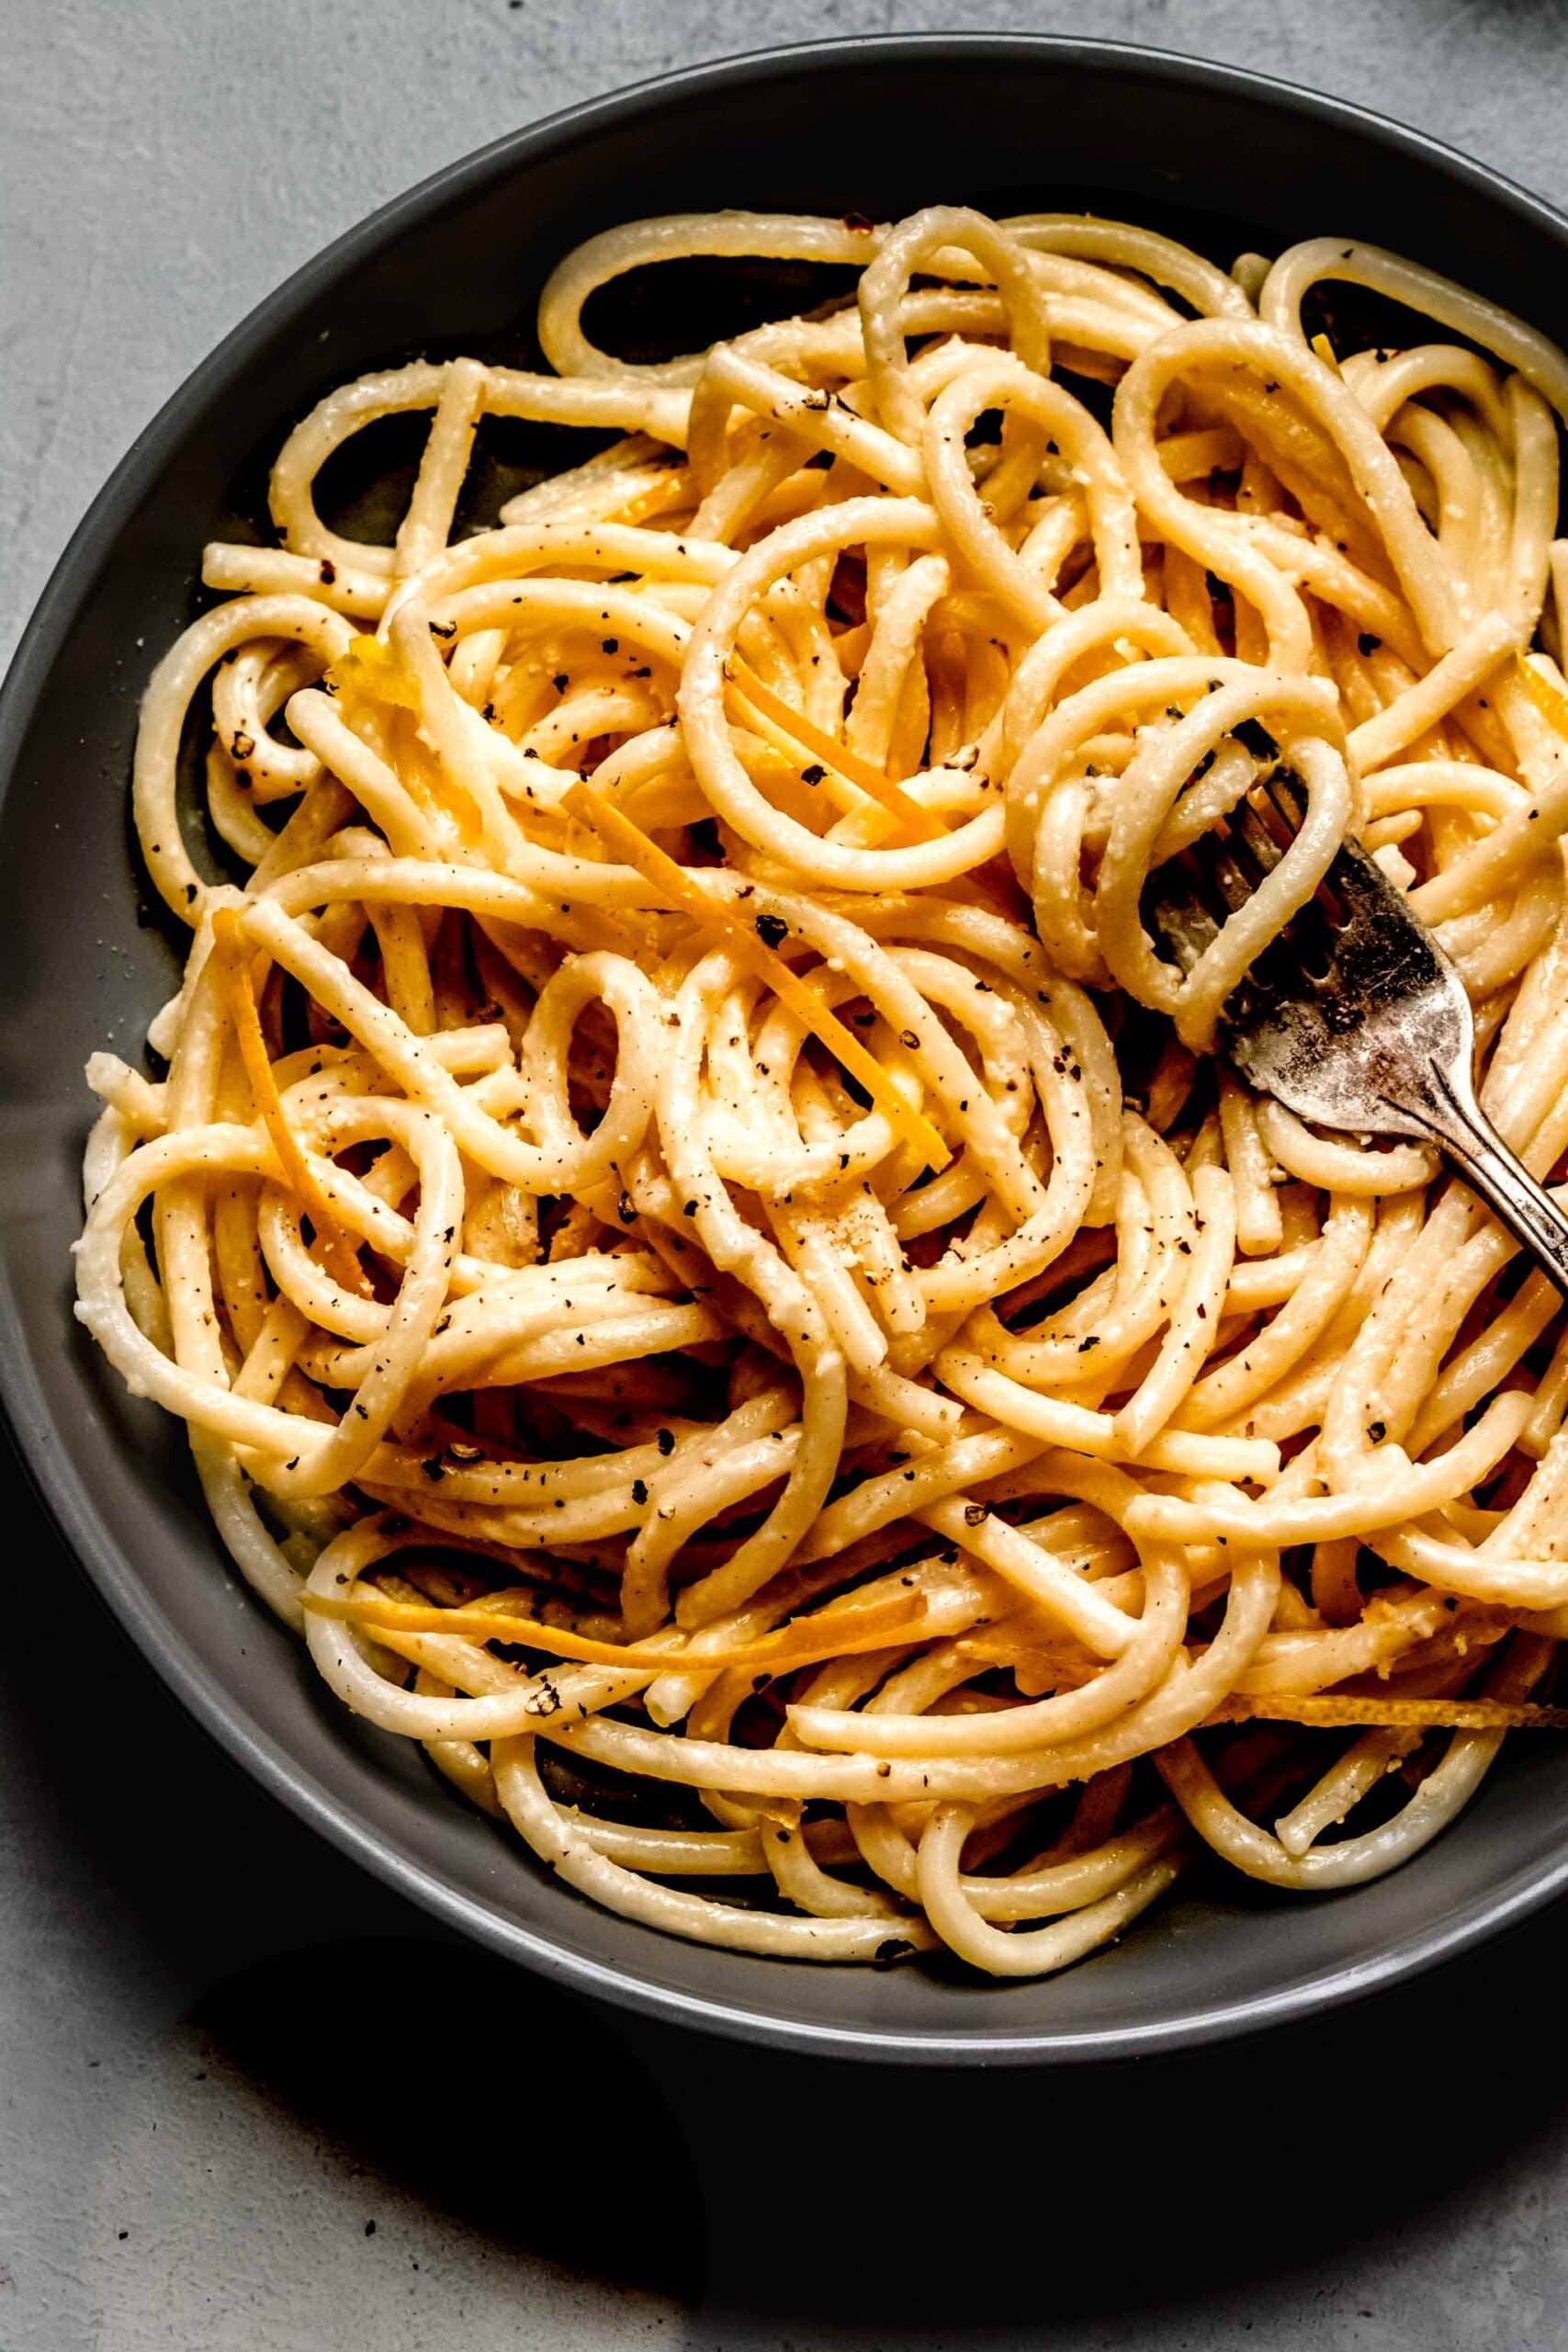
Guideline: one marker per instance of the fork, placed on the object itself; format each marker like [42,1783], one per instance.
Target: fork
[1352,1016]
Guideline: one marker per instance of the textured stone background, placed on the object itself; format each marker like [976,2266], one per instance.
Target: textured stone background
[250,2103]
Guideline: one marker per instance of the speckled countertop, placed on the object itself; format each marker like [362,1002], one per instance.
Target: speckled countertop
[235,2112]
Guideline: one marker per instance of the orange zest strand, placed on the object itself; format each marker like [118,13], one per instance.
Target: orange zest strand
[1333,1710]
[832,1634]
[1212,449]
[369,670]
[657,499]
[590,807]
[1352,1711]
[1547,697]
[371,673]
[742,685]
[1000,1648]
[238,1001]
[750,700]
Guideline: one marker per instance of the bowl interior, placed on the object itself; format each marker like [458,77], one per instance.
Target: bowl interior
[878,127]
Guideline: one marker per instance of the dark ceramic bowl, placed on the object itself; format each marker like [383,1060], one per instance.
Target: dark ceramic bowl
[879,127]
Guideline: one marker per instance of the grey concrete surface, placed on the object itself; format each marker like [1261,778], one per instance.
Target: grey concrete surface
[250,2103]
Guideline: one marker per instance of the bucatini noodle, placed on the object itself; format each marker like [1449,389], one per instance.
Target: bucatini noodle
[705,1257]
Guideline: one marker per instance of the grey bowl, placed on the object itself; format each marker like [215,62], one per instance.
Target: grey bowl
[1223,157]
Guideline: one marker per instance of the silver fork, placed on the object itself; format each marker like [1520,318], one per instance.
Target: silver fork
[1353,1017]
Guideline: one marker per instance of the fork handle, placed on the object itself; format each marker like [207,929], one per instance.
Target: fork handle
[1447,1110]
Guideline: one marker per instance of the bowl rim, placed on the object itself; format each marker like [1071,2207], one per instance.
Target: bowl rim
[67,1500]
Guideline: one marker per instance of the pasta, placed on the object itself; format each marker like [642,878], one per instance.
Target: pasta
[707,1258]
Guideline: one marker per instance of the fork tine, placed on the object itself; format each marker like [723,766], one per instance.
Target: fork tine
[1202,890]
[1278,784]
[1190,898]
[1253,829]
[1283,803]
[1176,907]
[1230,876]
